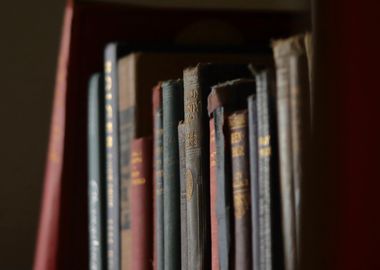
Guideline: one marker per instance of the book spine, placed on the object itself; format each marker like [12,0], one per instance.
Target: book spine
[158,177]
[195,186]
[255,195]
[285,158]
[126,113]
[141,203]
[96,174]
[182,170]
[224,190]
[213,200]
[46,250]
[172,104]
[112,157]
[238,128]
[269,202]
[300,125]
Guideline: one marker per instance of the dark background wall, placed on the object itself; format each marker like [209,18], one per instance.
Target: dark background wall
[29,41]
[30,33]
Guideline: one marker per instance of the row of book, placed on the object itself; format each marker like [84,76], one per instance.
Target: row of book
[196,160]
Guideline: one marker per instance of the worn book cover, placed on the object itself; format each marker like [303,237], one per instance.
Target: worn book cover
[270,233]
[293,103]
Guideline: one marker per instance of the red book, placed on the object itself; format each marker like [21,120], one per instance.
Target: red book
[213,198]
[142,203]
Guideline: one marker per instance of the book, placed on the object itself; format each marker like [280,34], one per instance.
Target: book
[96,174]
[158,178]
[238,131]
[172,104]
[293,104]
[213,200]
[225,98]
[255,191]
[182,170]
[197,86]
[111,95]
[270,236]
[141,203]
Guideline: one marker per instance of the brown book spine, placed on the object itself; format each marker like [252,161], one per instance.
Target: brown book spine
[213,200]
[238,127]
[141,203]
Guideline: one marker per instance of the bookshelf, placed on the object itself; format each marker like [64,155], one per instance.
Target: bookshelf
[334,166]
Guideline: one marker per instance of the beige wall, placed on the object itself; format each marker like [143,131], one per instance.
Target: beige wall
[28,50]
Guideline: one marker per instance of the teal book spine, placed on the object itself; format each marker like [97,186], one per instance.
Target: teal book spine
[96,174]
[172,103]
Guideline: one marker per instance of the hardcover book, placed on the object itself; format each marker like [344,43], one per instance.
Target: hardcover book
[172,104]
[141,203]
[158,177]
[238,131]
[182,170]
[96,174]
[270,234]
[293,103]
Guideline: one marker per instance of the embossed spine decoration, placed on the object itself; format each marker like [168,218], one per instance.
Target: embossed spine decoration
[198,81]
[271,256]
[141,203]
[172,104]
[293,103]
[238,127]
[158,177]
[213,200]
[182,171]
[96,174]
[195,191]
[112,157]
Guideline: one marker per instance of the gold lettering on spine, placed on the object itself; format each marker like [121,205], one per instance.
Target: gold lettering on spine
[136,161]
[189,185]
[264,146]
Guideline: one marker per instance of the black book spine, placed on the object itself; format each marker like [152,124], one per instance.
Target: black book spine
[172,103]
[224,190]
[255,195]
[112,156]
[269,203]
[96,174]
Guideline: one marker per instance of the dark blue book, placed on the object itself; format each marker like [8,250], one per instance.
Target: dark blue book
[111,55]
[96,174]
